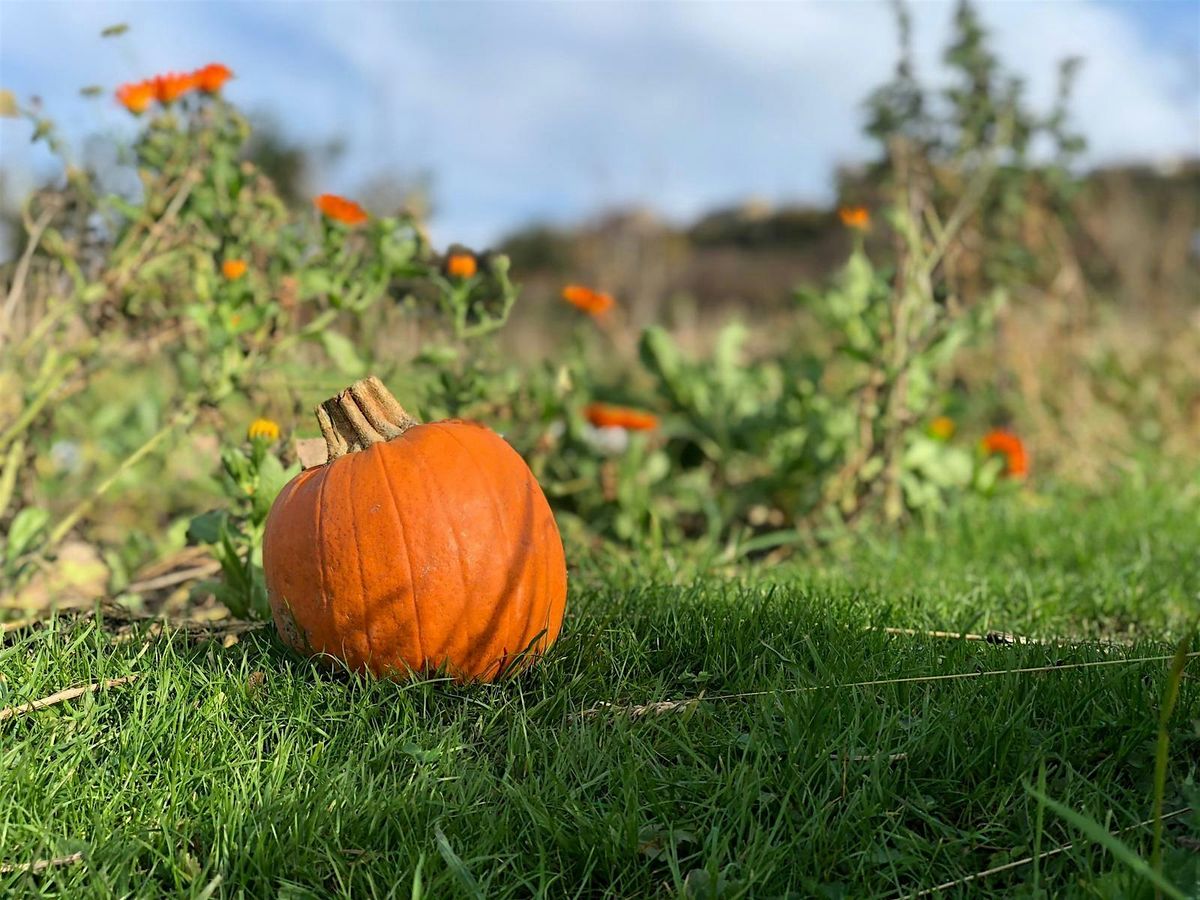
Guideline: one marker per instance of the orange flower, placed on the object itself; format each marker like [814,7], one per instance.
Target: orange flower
[602,415]
[855,217]
[942,428]
[340,209]
[137,96]
[233,269]
[461,265]
[212,77]
[1008,445]
[172,86]
[594,303]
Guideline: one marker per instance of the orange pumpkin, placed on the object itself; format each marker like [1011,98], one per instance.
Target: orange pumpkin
[414,547]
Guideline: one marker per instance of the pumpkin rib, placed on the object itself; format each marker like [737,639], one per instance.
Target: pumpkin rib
[537,601]
[349,621]
[497,508]
[362,572]
[412,583]
[535,594]
[545,629]
[325,601]
[404,638]
[530,520]
[426,481]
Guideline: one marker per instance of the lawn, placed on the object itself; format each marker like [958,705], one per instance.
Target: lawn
[821,755]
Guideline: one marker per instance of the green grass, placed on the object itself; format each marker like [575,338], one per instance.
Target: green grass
[197,780]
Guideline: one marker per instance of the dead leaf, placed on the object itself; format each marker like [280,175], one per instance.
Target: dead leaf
[311,452]
[77,577]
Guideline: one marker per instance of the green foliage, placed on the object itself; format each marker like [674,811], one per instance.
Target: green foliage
[207,283]
[251,481]
[202,299]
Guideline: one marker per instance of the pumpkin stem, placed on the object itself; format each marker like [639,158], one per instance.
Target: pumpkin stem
[364,414]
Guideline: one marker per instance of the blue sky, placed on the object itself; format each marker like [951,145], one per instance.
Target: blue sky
[527,111]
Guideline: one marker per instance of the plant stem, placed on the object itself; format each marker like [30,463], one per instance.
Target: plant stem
[1161,755]
[364,414]
[22,272]
[53,383]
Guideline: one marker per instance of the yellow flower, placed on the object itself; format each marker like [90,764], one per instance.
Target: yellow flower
[942,428]
[263,430]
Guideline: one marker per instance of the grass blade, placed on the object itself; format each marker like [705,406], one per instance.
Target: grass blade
[456,865]
[1161,754]
[1118,848]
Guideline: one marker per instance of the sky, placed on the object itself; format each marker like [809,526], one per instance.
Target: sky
[552,111]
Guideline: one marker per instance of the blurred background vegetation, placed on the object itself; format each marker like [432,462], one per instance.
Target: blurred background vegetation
[977,314]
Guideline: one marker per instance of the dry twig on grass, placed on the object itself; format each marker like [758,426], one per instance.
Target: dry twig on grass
[868,757]
[41,865]
[657,708]
[18,624]
[62,696]
[1005,638]
[673,705]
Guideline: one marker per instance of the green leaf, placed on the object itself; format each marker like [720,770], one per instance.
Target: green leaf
[785,537]
[418,887]
[314,282]
[8,474]
[272,477]
[24,530]
[1161,757]
[455,864]
[206,528]
[341,351]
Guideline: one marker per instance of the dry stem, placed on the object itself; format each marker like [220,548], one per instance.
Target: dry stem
[62,696]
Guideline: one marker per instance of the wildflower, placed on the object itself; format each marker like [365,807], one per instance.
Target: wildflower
[340,209]
[172,86]
[942,428]
[1005,443]
[461,265]
[212,78]
[233,269]
[263,430]
[137,96]
[594,303]
[603,415]
[855,217]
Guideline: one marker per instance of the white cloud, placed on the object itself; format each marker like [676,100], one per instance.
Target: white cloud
[528,110]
